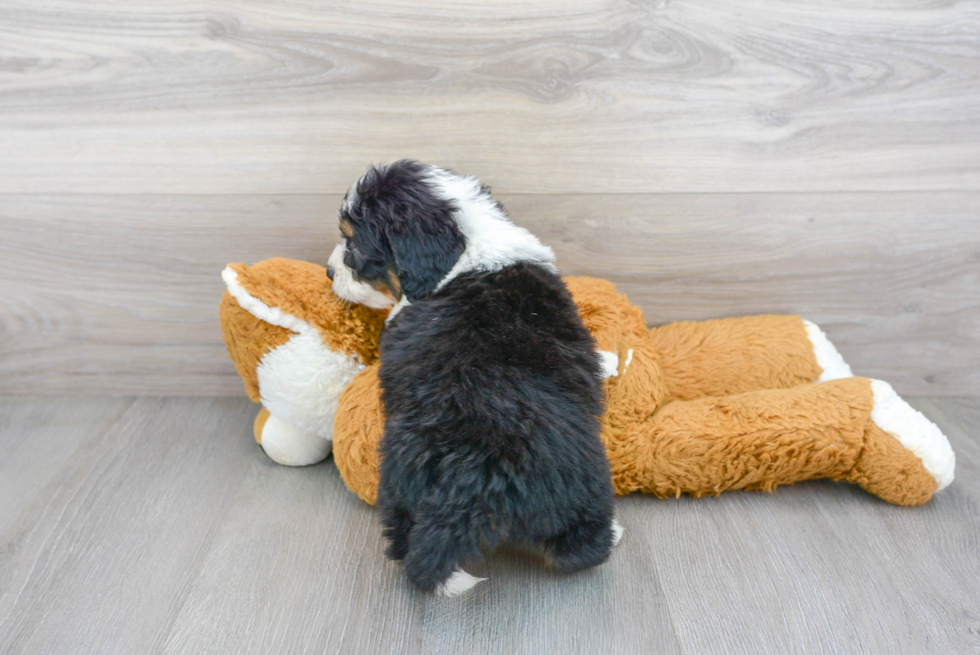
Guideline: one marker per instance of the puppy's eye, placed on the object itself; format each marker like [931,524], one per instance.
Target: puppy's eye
[352,249]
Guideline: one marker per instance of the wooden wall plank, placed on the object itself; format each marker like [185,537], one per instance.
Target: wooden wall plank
[119,293]
[544,97]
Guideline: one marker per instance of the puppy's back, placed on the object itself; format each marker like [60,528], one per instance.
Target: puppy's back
[492,393]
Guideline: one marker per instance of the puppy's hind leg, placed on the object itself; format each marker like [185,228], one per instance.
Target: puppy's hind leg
[396,525]
[583,545]
[442,539]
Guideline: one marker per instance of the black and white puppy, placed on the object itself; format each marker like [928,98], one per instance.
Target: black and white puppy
[491,383]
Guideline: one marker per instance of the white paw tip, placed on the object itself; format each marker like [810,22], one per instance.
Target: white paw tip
[617,532]
[610,363]
[833,364]
[288,445]
[458,583]
[914,431]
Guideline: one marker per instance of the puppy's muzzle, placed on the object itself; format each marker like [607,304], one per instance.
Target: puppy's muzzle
[349,288]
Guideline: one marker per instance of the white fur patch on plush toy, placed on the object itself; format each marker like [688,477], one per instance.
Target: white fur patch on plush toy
[301,381]
[914,431]
[610,364]
[259,309]
[832,362]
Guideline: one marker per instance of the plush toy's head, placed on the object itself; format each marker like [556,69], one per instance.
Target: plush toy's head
[296,344]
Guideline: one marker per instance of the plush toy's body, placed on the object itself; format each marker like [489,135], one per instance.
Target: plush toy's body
[696,408]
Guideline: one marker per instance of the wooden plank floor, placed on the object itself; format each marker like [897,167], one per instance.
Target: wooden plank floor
[156,525]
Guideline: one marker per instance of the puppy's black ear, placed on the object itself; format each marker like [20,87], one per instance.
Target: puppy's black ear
[426,243]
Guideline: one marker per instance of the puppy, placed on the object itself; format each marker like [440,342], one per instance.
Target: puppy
[491,383]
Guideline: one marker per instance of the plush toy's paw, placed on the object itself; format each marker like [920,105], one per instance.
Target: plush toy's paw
[288,445]
[905,458]
[914,431]
[833,364]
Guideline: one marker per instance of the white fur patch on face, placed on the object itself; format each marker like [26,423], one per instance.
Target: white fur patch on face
[832,362]
[914,431]
[346,287]
[458,583]
[492,241]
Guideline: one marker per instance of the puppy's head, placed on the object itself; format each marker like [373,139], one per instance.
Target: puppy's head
[408,228]
[399,236]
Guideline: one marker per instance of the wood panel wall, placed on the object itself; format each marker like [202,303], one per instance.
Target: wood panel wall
[711,158]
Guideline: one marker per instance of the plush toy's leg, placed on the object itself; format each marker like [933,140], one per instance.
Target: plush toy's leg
[288,445]
[831,362]
[904,452]
[852,429]
[734,355]
[357,435]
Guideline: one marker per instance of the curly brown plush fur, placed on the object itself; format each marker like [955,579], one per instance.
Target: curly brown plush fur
[696,408]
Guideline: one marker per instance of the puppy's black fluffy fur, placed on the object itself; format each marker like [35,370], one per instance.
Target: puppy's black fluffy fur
[399,224]
[492,395]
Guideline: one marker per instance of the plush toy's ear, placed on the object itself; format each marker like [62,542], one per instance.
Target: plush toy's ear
[425,243]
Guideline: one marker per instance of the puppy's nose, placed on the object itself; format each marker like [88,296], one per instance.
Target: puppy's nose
[330,272]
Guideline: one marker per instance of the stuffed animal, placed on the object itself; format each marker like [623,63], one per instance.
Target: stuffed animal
[691,407]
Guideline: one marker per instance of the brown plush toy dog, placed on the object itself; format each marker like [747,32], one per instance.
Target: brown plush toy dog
[696,408]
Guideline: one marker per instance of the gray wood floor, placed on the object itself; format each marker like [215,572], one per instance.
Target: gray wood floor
[156,525]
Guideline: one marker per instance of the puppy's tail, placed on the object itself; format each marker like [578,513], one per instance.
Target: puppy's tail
[443,537]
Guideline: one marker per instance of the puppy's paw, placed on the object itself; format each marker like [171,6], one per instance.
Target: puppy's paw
[610,364]
[458,583]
